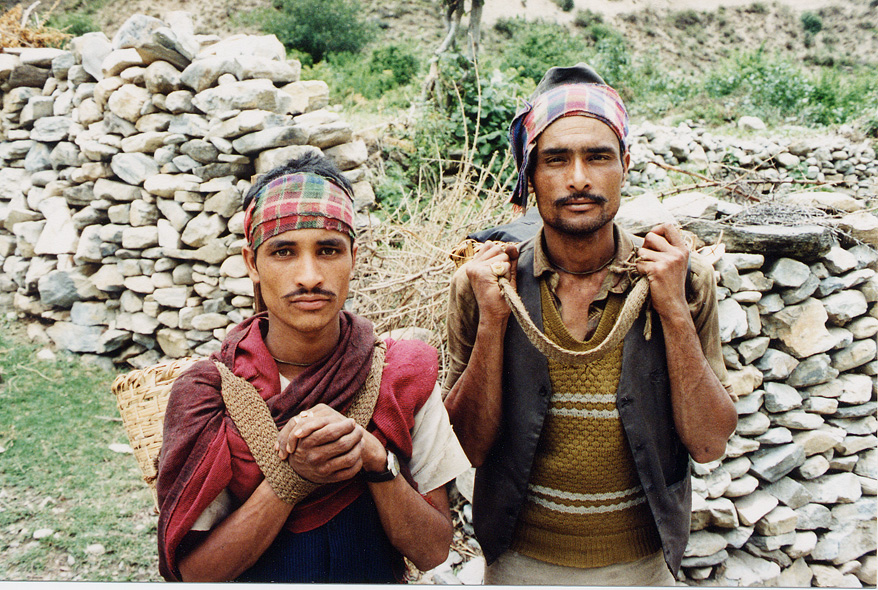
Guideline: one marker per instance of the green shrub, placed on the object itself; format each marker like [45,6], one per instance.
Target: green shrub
[384,77]
[585,18]
[757,8]
[534,47]
[401,63]
[74,23]
[565,5]
[684,19]
[318,27]
[473,104]
[812,23]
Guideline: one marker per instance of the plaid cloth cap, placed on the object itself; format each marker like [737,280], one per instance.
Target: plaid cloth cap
[591,100]
[298,201]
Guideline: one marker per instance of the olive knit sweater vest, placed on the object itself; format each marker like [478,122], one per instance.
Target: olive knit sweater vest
[585,507]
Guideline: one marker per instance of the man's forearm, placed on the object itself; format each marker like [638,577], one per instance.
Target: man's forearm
[239,540]
[704,414]
[474,403]
[420,531]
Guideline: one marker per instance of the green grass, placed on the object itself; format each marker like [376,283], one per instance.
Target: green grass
[57,420]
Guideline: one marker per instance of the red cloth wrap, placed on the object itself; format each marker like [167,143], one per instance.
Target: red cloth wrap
[203,453]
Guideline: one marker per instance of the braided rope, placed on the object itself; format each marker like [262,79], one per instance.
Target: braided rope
[629,312]
[253,419]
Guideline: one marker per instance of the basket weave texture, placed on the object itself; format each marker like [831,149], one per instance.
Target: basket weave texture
[142,396]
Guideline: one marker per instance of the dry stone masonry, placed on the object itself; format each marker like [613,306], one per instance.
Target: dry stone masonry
[122,167]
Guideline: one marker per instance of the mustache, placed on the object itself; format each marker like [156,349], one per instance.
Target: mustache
[579,197]
[305,292]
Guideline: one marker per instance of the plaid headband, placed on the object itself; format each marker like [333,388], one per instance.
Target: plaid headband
[591,100]
[298,201]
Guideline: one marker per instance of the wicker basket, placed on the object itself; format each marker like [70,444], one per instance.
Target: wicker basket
[465,250]
[142,396]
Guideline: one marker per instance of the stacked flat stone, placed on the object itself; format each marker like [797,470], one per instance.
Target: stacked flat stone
[122,167]
[123,163]
[847,163]
[792,503]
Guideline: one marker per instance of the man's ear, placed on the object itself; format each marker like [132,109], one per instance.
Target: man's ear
[354,248]
[626,161]
[250,261]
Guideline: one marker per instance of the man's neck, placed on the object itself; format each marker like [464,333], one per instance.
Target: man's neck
[580,254]
[295,351]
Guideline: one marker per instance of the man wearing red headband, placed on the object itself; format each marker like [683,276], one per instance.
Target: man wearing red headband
[583,469]
[378,492]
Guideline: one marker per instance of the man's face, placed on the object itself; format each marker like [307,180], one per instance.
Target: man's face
[304,276]
[578,175]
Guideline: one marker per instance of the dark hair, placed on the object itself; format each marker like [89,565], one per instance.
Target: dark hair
[311,162]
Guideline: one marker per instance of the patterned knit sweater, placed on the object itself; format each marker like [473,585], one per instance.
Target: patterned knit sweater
[585,507]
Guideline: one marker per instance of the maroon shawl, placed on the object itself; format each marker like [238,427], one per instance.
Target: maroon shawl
[203,453]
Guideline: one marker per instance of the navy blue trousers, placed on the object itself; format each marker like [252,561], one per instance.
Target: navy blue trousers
[350,548]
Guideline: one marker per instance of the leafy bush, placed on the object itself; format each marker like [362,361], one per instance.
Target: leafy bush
[318,27]
[74,23]
[812,23]
[477,109]
[565,5]
[401,64]
[685,19]
[585,18]
[384,77]
[534,47]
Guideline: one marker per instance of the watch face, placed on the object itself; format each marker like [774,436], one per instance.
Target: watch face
[392,464]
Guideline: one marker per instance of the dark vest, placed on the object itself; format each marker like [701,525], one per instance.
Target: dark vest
[644,404]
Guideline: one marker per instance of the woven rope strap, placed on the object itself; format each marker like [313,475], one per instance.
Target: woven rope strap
[253,419]
[629,312]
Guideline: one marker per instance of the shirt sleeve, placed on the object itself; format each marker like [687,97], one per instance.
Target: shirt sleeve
[704,310]
[462,323]
[215,513]
[437,456]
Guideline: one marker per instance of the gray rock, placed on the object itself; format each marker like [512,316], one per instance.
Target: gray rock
[134,168]
[733,320]
[755,348]
[773,463]
[801,328]
[843,307]
[797,420]
[776,365]
[856,389]
[743,569]
[855,355]
[813,516]
[753,507]
[753,424]
[813,467]
[780,397]
[798,575]
[814,370]
[834,487]
[808,243]
[847,543]
[774,436]
[267,139]
[786,272]
[801,293]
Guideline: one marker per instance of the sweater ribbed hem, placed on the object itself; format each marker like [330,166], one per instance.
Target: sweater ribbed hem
[584,551]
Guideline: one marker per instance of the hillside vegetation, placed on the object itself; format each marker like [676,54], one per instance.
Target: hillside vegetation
[805,70]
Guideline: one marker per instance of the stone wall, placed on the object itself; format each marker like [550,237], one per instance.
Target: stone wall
[123,166]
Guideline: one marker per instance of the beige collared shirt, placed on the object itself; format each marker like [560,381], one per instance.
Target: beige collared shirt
[463,311]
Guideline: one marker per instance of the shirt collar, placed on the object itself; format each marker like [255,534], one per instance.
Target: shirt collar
[614,282]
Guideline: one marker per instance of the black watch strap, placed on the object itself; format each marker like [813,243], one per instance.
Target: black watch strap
[389,473]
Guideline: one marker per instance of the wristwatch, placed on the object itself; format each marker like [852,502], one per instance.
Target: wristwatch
[388,474]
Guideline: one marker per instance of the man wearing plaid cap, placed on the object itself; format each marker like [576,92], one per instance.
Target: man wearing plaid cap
[380,490]
[583,469]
